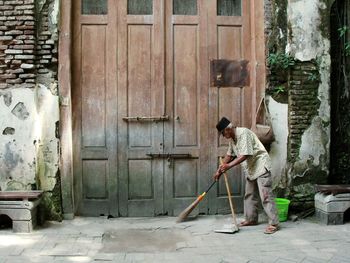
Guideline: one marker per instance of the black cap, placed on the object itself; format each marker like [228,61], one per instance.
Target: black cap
[222,124]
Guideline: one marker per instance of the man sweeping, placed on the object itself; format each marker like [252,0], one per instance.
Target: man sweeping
[246,149]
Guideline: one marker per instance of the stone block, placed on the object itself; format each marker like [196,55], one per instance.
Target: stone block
[23,213]
[330,208]
[329,218]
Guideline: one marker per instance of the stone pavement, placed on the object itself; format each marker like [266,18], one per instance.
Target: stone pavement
[160,239]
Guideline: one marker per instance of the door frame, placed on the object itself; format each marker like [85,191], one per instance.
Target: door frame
[257,77]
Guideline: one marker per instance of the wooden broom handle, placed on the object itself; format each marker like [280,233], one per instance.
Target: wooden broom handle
[229,196]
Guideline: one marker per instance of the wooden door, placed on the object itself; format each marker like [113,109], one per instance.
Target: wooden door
[141,110]
[228,38]
[186,134]
[145,142]
[94,100]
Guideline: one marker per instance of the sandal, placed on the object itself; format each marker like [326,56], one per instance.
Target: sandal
[271,229]
[248,223]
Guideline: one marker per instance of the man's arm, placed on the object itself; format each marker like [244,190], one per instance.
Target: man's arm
[228,163]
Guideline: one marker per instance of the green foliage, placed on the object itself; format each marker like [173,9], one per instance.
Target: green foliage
[279,89]
[342,31]
[347,49]
[280,61]
[312,77]
[342,34]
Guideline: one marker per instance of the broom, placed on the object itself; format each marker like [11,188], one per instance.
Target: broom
[189,209]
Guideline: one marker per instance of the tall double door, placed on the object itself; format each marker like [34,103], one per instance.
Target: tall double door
[144,112]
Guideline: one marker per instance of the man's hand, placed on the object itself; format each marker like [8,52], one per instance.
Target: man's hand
[217,175]
[224,167]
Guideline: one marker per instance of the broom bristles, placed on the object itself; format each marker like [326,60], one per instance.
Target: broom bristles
[188,210]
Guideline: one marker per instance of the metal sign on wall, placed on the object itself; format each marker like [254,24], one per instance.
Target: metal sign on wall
[229,73]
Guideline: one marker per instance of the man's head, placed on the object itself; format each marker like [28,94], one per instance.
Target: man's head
[224,126]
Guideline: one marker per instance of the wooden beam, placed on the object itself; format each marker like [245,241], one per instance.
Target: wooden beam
[64,80]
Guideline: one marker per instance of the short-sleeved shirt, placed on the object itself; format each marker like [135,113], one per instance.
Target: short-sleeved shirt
[258,161]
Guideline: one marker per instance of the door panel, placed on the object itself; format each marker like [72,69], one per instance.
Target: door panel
[93,103]
[187,88]
[93,85]
[229,36]
[141,89]
[185,85]
[139,83]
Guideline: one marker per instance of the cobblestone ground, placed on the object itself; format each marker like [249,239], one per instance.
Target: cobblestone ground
[162,240]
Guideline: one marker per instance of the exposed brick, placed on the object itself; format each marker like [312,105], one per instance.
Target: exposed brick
[30,23]
[28,51]
[8,76]
[25,52]
[24,57]
[25,18]
[28,12]
[29,32]
[27,66]
[13,13]
[16,62]
[6,7]
[27,37]
[14,81]
[13,23]
[13,51]
[14,32]
[23,7]
[2,38]
[16,71]
[24,27]
[23,46]
[28,41]
[14,2]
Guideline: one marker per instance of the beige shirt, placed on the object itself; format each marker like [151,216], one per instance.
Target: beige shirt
[247,143]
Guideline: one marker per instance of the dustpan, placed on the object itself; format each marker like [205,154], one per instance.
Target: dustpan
[230,228]
[227,229]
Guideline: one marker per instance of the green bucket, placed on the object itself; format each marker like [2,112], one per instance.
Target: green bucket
[282,208]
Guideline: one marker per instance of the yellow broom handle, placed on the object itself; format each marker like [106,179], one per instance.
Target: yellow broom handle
[229,195]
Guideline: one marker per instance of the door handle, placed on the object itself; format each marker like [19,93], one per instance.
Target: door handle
[145,118]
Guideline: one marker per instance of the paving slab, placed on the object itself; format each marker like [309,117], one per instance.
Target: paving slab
[161,239]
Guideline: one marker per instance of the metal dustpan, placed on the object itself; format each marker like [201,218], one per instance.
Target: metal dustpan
[228,229]
[231,228]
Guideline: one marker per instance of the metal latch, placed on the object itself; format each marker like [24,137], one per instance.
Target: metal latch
[170,156]
[143,118]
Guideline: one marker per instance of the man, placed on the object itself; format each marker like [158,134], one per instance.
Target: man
[246,149]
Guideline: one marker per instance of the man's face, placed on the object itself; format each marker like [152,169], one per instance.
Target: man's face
[226,133]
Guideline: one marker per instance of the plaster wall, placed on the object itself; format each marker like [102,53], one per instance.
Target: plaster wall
[306,42]
[278,152]
[28,154]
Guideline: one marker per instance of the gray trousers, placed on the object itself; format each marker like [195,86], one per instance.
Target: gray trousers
[263,185]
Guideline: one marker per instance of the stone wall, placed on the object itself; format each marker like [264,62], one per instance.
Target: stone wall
[29,112]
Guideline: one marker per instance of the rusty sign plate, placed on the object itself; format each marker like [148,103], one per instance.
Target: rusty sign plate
[229,73]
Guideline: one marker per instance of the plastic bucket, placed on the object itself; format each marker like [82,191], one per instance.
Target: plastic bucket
[282,205]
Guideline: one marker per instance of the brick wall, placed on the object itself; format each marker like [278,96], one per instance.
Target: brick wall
[17,43]
[47,47]
[303,102]
[28,49]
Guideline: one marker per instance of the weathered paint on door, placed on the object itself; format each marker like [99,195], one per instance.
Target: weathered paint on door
[145,142]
